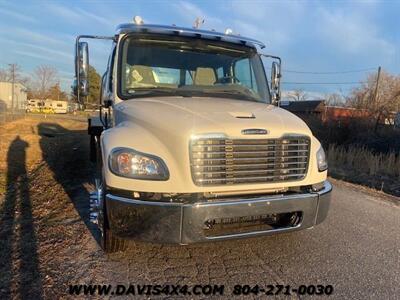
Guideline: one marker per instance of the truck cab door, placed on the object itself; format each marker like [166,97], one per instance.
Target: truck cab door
[107,94]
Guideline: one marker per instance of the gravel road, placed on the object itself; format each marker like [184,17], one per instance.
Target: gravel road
[46,242]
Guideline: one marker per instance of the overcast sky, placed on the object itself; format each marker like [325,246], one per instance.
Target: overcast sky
[310,36]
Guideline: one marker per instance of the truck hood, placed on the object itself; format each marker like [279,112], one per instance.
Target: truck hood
[163,127]
[183,116]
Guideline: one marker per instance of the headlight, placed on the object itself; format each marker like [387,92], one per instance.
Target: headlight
[127,162]
[321,160]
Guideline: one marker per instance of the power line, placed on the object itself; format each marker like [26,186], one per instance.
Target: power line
[339,83]
[330,72]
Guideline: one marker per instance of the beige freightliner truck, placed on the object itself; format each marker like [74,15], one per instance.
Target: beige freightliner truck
[191,144]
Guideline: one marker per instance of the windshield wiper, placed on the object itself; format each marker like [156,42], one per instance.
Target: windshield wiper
[150,89]
[158,91]
[247,94]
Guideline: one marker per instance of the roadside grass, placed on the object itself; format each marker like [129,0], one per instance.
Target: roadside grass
[359,152]
[361,165]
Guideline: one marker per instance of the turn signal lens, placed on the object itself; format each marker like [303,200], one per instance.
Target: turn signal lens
[321,160]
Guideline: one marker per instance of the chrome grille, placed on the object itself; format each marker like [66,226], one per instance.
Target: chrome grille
[222,161]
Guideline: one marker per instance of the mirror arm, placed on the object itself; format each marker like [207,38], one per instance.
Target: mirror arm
[272,56]
[279,75]
[77,62]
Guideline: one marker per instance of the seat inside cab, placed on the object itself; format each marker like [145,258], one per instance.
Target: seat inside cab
[204,76]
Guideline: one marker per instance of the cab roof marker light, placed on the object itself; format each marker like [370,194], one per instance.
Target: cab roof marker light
[138,20]
[228,31]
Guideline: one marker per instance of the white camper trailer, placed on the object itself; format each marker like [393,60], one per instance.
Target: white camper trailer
[60,107]
[47,106]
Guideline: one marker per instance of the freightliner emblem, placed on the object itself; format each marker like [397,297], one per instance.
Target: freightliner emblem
[254,131]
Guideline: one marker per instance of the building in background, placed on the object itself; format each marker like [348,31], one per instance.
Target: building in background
[7,101]
[318,110]
[314,108]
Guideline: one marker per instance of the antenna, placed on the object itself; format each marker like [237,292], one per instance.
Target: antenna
[198,22]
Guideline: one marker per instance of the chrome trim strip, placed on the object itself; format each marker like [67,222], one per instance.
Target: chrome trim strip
[255,233]
[245,199]
[324,199]
[251,171]
[254,200]
[251,158]
[252,145]
[316,215]
[250,152]
[175,30]
[253,180]
[251,165]
[214,135]
[181,222]
[326,189]
[141,202]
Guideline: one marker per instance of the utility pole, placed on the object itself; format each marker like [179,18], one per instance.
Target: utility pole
[12,66]
[377,85]
[376,99]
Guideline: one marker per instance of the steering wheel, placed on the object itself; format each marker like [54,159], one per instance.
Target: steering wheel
[228,79]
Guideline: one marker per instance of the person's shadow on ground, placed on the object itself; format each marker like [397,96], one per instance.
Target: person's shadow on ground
[19,262]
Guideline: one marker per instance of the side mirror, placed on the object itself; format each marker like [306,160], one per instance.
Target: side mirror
[84,87]
[275,82]
[81,85]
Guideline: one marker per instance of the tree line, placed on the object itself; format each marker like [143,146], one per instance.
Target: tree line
[44,83]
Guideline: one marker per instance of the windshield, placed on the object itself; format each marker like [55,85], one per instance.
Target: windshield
[155,66]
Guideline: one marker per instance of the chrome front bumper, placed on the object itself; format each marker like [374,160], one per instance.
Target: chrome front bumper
[165,222]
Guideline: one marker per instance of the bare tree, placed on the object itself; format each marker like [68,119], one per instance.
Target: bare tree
[388,94]
[297,95]
[380,102]
[45,77]
[3,75]
[13,72]
[335,99]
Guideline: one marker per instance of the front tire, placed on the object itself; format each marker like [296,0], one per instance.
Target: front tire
[108,241]
[112,243]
